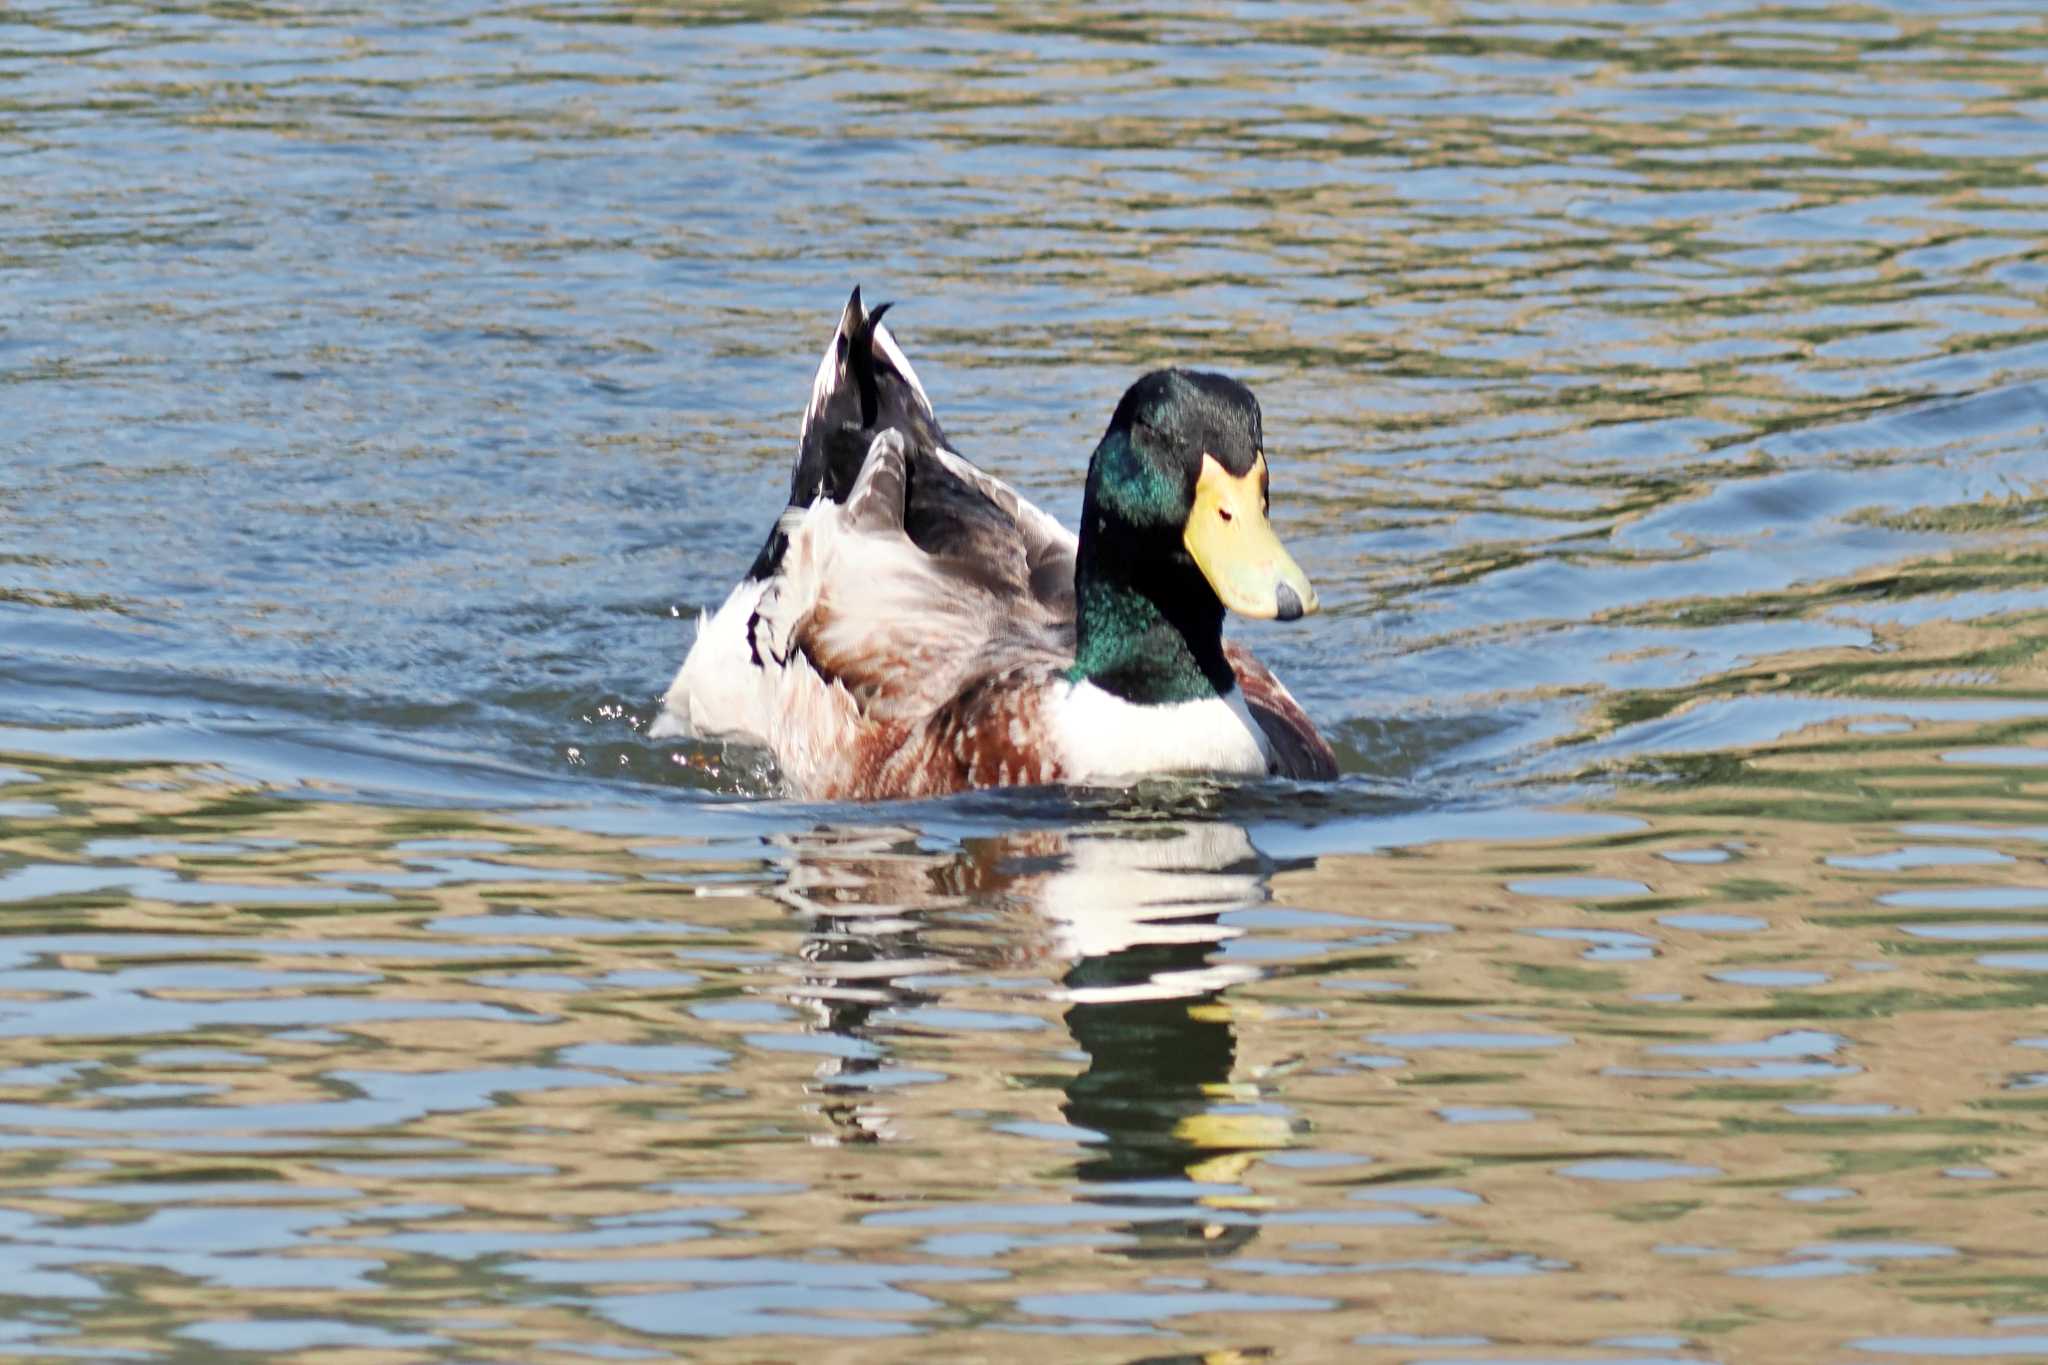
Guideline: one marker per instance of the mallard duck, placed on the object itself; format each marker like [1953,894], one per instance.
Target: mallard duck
[912,626]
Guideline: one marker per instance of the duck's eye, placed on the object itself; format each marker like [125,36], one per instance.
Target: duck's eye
[1223,512]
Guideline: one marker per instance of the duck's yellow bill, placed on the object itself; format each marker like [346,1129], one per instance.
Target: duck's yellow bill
[1236,550]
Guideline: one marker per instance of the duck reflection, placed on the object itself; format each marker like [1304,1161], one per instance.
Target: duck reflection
[1124,925]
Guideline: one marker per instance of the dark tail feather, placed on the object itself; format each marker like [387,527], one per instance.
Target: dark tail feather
[860,359]
[866,394]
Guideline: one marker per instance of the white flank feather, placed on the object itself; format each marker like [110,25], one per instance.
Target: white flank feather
[718,691]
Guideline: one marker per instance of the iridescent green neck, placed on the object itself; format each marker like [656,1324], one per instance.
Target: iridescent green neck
[1148,626]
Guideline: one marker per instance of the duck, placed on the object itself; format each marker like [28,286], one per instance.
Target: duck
[914,627]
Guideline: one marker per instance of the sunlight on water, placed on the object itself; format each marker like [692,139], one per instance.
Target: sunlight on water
[850,1079]
[1658,397]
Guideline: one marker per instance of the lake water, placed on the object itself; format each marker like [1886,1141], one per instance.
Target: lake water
[1656,394]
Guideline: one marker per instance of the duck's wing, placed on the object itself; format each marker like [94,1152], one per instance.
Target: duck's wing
[866,385]
[900,628]
[1042,549]
[890,665]
[1298,750]
[984,529]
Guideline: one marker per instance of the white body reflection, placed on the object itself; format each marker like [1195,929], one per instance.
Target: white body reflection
[1119,891]
[1114,934]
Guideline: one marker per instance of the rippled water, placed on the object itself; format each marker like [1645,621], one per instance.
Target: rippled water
[1658,396]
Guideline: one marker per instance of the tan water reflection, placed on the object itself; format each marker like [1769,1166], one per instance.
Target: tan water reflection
[1752,1073]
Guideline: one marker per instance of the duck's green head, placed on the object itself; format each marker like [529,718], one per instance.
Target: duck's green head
[1181,475]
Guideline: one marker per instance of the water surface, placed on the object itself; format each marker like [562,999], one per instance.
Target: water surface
[1658,397]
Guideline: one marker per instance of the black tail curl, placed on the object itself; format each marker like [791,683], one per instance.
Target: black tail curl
[867,395]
